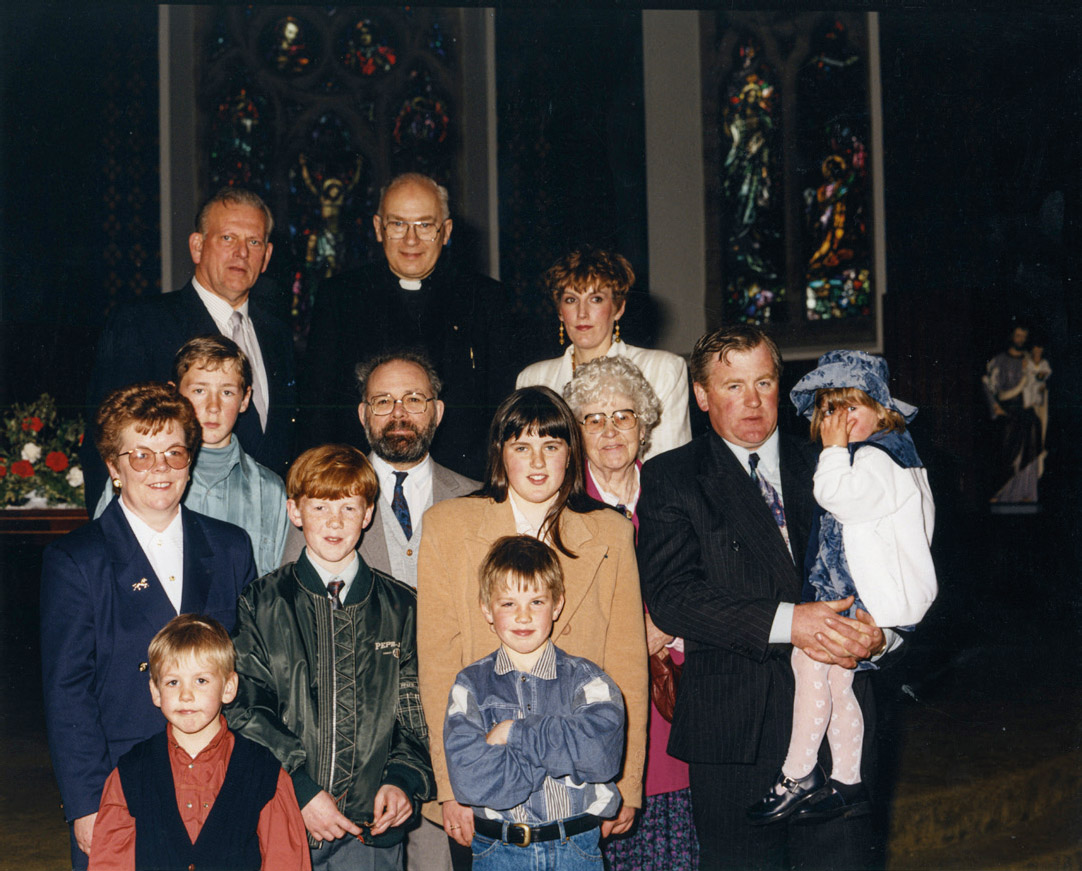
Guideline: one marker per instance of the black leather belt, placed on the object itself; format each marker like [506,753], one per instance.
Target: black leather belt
[522,835]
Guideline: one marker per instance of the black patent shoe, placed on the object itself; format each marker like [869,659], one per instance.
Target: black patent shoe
[843,800]
[773,808]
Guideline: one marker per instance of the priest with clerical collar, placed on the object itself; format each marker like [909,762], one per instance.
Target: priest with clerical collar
[414,299]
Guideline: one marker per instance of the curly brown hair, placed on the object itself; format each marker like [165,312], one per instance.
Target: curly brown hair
[149,406]
[590,268]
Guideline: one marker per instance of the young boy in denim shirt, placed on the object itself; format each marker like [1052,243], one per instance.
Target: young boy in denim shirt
[534,737]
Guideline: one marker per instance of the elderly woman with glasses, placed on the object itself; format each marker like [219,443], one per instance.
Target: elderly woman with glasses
[109,586]
[617,411]
[590,288]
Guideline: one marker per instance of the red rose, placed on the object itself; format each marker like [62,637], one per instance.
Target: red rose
[56,461]
[3,471]
[23,469]
[33,423]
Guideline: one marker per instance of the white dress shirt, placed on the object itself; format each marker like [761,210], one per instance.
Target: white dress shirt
[769,468]
[221,311]
[164,551]
[416,487]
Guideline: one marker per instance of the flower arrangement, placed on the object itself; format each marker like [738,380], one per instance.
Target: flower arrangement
[38,456]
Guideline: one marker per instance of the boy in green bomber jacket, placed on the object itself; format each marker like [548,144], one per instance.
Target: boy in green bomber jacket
[327,660]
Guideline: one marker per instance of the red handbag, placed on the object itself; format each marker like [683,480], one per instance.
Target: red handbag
[664,677]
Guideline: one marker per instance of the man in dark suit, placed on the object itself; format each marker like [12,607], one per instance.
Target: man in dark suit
[414,298]
[230,250]
[722,570]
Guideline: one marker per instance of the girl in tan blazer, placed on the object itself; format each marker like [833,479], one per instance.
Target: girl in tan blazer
[533,485]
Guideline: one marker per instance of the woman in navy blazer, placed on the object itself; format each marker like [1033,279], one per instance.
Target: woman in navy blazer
[102,599]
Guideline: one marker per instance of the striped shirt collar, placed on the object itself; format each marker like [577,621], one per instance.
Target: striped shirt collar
[220,310]
[544,668]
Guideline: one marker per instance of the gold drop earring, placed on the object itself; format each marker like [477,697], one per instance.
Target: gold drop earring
[616,333]
[561,334]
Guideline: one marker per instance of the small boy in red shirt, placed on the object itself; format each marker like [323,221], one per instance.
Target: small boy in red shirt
[197,794]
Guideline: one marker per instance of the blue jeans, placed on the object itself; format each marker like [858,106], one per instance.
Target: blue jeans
[580,852]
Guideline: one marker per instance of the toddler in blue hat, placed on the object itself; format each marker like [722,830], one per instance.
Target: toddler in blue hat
[872,542]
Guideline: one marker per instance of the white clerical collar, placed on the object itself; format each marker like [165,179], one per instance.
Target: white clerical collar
[767,451]
[220,310]
[409,283]
[418,476]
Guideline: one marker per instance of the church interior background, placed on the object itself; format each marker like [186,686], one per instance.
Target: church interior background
[932,155]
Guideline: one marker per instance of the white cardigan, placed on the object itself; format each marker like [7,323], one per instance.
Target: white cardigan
[887,516]
[667,373]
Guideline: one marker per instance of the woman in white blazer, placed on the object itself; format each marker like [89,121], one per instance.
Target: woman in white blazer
[590,287]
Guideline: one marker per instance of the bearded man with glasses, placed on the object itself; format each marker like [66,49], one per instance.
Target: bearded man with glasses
[414,299]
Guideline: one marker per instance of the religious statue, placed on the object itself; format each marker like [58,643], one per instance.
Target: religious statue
[1015,384]
[324,246]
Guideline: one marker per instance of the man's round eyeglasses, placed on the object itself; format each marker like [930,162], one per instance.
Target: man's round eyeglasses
[142,460]
[625,418]
[414,403]
[427,231]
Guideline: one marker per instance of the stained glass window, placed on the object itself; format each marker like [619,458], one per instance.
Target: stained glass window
[795,237]
[751,193]
[314,109]
[834,140]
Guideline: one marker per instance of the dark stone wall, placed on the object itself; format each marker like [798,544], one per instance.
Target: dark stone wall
[79,170]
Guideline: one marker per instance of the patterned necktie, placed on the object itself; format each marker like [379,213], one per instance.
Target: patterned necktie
[772,499]
[333,589]
[239,334]
[399,507]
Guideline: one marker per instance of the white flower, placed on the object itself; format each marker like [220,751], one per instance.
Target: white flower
[31,452]
[75,476]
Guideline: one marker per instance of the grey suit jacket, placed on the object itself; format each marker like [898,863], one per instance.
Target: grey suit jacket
[445,485]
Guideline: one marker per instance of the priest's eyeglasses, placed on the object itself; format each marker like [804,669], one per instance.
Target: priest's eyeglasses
[625,418]
[414,403]
[427,231]
[143,460]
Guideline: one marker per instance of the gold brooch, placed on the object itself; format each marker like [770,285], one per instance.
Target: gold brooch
[140,585]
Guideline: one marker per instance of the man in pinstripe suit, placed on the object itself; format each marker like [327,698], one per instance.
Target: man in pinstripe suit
[723,571]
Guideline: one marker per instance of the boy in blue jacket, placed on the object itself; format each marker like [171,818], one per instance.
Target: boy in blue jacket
[534,737]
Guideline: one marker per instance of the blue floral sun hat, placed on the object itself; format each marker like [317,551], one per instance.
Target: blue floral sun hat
[849,369]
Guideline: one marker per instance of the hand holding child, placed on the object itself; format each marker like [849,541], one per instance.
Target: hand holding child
[324,821]
[836,426]
[498,733]
[391,808]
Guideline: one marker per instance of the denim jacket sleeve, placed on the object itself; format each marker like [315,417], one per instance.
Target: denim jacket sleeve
[482,774]
[585,743]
